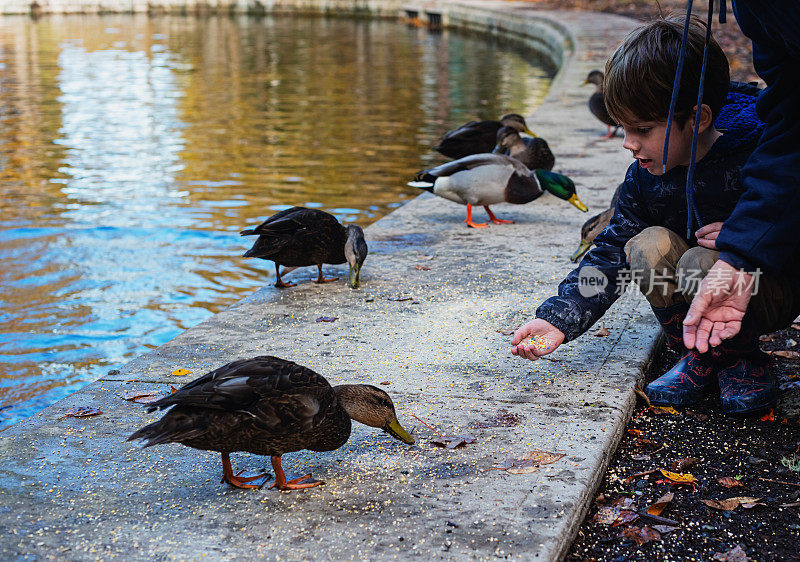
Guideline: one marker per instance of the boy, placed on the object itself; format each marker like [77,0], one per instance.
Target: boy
[648,240]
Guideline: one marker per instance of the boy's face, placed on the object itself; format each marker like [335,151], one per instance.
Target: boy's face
[645,140]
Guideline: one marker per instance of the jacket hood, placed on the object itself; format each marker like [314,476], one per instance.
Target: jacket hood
[738,120]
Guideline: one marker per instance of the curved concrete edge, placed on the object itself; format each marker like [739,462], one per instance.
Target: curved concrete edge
[74,488]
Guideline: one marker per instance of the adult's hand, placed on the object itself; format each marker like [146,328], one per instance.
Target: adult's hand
[718,307]
[549,336]
[707,235]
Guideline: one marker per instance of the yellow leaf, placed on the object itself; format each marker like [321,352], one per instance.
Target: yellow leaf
[664,410]
[180,372]
[681,478]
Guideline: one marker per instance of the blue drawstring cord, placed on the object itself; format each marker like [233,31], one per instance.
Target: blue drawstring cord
[691,211]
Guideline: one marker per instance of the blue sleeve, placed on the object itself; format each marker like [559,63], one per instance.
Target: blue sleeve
[589,290]
[762,230]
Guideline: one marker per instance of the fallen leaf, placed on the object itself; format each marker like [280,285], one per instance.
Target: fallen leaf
[784,353]
[633,477]
[664,529]
[81,412]
[796,326]
[696,415]
[141,397]
[623,502]
[606,515]
[767,337]
[682,464]
[640,457]
[386,382]
[640,535]
[180,372]
[452,441]
[679,478]
[661,504]
[530,462]
[736,554]
[625,517]
[327,319]
[640,393]
[400,299]
[602,332]
[501,419]
[729,482]
[661,410]
[639,442]
[507,331]
[768,417]
[637,432]
[732,503]
[422,267]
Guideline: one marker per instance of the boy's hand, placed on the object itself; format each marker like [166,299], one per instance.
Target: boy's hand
[707,236]
[546,338]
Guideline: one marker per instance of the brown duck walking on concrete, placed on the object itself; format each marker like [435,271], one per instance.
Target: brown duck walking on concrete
[534,152]
[268,406]
[477,137]
[299,237]
[597,104]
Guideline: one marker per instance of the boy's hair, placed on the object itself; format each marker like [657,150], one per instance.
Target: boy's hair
[641,72]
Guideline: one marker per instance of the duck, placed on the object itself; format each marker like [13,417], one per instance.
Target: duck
[597,104]
[488,179]
[299,237]
[477,137]
[594,226]
[267,406]
[534,152]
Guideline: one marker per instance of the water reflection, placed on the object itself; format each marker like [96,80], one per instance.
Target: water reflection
[133,150]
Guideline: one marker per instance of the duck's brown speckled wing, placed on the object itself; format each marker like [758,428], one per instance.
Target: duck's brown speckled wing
[264,405]
[299,237]
[474,137]
[598,108]
[538,154]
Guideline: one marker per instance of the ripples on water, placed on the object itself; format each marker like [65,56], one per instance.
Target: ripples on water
[133,150]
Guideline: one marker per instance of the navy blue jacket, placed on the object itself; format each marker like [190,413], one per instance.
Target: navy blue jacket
[763,229]
[646,200]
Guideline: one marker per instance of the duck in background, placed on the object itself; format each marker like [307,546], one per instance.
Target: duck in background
[299,237]
[488,179]
[597,104]
[268,406]
[477,137]
[594,226]
[534,152]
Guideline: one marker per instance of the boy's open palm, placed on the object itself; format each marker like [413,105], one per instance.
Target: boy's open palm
[546,338]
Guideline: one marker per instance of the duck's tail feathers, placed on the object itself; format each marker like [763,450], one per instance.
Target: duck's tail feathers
[248,232]
[423,180]
[172,428]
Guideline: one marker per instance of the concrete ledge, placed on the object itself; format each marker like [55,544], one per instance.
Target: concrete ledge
[73,489]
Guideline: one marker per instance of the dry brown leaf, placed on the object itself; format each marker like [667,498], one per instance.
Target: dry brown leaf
[661,504]
[606,515]
[602,332]
[530,462]
[736,554]
[697,416]
[729,482]
[660,410]
[500,419]
[732,503]
[623,502]
[81,412]
[640,535]
[682,464]
[664,529]
[633,477]
[785,353]
[141,397]
[636,432]
[625,517]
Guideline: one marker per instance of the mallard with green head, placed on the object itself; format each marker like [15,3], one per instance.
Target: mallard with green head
[477,137]
[268,406]
[597,104]
[299,237]
[488,179]
[534,152]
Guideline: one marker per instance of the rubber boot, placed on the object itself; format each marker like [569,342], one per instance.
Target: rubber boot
[691,378]
[746,384]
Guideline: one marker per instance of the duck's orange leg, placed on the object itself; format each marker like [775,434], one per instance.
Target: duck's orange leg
[321,279]
[297,484]
[609,132]
[494,219]
[469,219]
[279,283]
[228,476]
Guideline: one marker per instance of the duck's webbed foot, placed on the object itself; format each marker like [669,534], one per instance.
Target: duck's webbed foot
[236,480]
[469,221]
[279,283]
[297,484]
[494,219]
[321,278]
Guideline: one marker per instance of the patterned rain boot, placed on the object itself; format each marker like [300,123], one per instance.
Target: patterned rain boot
[691,378]
[746,384]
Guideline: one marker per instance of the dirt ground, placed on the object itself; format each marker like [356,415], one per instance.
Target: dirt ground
[736,46]
[756,458]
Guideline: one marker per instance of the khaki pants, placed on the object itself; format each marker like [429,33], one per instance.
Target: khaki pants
[669,272]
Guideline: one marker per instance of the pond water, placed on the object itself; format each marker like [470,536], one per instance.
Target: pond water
[133,149]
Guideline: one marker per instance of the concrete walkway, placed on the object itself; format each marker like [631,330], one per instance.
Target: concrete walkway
[73,489]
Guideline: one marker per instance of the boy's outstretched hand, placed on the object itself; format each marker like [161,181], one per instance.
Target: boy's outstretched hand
[707,235]
[540,338]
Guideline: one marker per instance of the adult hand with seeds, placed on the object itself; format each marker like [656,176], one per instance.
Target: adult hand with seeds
[536,338]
